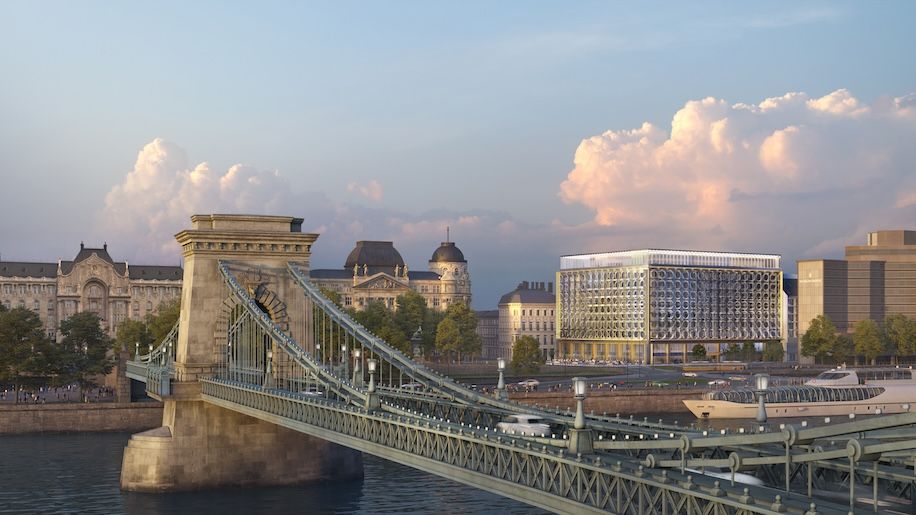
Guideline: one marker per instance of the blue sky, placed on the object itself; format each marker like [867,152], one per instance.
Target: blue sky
[454,111]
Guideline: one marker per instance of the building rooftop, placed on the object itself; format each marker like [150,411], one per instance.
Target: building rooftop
[448,252]
[530,293]
[664,257]
[49,270]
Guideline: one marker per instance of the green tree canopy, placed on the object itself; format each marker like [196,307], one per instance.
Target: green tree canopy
[868,341]
[526,356]
[467,328]
[698,352]
[901,334]
[448,337]
[773,352]
[331,295]
[165,318]
[843,349]
[411,313]
[24,348]
[129,333]
[818,341]
[84,350]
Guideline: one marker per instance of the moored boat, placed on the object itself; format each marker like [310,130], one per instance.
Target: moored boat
[837,392]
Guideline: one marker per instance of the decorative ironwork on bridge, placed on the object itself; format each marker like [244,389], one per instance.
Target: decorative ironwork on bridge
[338,381]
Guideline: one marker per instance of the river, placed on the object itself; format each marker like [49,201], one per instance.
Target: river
[79,473]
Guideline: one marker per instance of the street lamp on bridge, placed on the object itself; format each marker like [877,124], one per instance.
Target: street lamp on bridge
[357,372]
[372,400]
[580,438]
[762,382]
[501,384]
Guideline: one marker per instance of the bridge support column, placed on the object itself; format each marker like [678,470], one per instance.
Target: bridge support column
[204,446]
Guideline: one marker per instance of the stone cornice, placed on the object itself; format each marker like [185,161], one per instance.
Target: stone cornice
[291,245]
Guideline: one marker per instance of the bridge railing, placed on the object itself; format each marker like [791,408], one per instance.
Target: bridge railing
[156,368]
[547,477]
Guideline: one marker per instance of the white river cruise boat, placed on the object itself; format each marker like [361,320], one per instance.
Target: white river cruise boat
[836,392]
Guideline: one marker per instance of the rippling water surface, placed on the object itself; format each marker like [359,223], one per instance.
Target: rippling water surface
[79,473]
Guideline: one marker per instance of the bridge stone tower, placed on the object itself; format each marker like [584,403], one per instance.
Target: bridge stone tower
[203,446]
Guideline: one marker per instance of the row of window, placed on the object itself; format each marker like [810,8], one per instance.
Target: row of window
[50,289]
[542,339]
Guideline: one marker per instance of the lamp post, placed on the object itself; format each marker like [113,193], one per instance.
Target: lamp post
[372,400]
[501,384]
[579,388]
[580,438]
[318,351]
[137,351]
[357,373]
[343,359]
[762,382]
[269,367]
[150,355]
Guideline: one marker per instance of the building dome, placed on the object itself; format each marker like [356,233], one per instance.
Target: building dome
[447,253]
[379,256]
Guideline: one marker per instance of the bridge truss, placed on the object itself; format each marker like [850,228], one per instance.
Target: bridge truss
[317,383]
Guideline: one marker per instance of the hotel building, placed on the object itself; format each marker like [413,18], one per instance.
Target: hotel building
[653,306]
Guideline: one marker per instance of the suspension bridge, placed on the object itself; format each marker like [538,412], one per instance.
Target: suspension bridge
[266,381]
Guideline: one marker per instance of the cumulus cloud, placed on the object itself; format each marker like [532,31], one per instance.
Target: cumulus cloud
[372,190]
[783,175]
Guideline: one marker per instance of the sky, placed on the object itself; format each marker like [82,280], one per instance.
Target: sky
[531,129]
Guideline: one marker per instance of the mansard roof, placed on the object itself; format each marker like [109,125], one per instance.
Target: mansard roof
[25,269]
[142,272]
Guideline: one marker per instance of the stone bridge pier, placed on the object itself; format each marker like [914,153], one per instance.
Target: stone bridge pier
[203,446]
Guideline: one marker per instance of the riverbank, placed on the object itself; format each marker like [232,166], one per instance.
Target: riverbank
[79,417]
[626,402]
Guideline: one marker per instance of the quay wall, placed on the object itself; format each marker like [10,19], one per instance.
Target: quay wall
[625,402]
[79,418]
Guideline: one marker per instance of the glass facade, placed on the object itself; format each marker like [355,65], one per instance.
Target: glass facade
[662,303]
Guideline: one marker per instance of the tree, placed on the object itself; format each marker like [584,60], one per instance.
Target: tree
[901,335]
[129,333]
[165,318]
[467,328]
[84,350]
[21,333]
[843,349]
[773,352]
[526,356]
[392,334]
[411,313]
[698,352]
[430,327]
[748,352]
[820,338]
[733,352]
[866,337]
[448,337]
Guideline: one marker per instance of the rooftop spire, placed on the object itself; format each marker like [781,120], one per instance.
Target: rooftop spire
[446,234]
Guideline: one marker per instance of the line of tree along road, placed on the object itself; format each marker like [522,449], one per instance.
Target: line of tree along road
[84,353]
[894,338]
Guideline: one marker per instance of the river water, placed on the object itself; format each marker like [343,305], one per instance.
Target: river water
[79,473]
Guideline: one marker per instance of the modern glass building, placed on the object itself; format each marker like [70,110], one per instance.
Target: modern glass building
[654,306]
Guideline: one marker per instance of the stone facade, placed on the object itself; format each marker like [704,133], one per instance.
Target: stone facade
[79,418]
[92,281]
[529,310]
[200,445]
[375,271]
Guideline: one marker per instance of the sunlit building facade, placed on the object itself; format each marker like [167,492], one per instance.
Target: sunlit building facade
[654,306]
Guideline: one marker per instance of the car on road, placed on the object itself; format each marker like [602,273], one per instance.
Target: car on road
[689,374]
[312,391]
[718,382]
[522,424]
[533,383]
[412,386]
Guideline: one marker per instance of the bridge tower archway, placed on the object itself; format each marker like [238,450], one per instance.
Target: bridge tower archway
[200,445]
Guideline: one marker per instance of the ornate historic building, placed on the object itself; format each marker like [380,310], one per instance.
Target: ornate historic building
[375,271]
[653,306]
[528,310]
[91,282]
